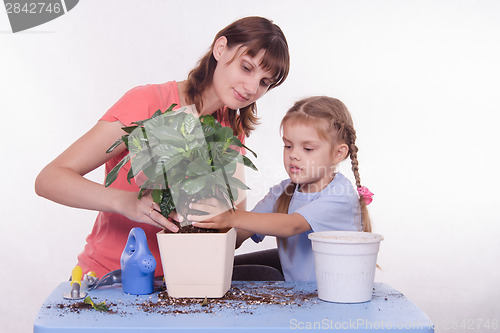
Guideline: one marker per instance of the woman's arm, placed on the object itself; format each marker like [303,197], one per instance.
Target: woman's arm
[63,180]
[272,224]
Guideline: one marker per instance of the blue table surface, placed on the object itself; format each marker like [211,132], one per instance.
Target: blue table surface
[291,306]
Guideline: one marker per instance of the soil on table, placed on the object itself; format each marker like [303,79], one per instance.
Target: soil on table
[236,299]
[78,307]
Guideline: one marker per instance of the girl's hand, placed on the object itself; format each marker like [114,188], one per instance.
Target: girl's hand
[145,210]
[218,214]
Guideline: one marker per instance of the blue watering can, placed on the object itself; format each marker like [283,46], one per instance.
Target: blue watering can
[137,264]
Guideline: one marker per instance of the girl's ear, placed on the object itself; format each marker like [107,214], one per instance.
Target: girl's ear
[219,47]
[340,153]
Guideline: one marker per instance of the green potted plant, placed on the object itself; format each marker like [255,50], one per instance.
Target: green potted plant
[182,158]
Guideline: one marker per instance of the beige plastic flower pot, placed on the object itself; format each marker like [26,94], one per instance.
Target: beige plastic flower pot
[197,265]
[345,264]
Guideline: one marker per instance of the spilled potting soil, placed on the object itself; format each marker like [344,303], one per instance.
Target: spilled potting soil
[236,299]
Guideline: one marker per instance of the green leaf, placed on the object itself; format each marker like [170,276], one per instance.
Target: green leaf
[237,184]
[218,147]
[167,204]
[157,113]
[217,124]
[176,120]
[249,163]
[114,145]
[208,120]
[137,140]
[221,192]
[189,123]
[141,193]
[198,133]
[209,131]
[242,145]
[250,150]
[236,142]
[142,160]
[151,173]
[113,174]
[164,151]
[153,123]
[194,185]
[129,129]
[231,154]
[157,195]
[167,162]
[166,133]
[125,140]
[99,307]
[224,134]
[130,175]
[229,168]
[176,175]
[229,191]
[198,167]
[195,145]
[88,300]
[171,107]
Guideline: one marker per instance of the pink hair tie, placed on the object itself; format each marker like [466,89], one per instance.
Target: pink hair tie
[366,194]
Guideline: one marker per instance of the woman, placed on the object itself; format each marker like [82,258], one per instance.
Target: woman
[246,59]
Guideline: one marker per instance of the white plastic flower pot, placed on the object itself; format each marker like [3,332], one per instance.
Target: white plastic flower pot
[197,265]
[345,264]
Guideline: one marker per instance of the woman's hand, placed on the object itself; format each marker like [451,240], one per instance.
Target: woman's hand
[145,210]
[218,214]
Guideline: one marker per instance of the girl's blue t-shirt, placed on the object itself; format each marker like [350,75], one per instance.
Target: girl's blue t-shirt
[336,207]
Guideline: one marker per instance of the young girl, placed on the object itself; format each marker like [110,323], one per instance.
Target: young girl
[318,134]
[246,59]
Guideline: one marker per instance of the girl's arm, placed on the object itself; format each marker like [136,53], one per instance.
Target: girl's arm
[63,180]
[272,224]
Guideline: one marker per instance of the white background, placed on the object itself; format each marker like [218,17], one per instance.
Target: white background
[421,79]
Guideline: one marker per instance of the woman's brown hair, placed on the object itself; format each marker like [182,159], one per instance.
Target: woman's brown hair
[255,34]
[335,124]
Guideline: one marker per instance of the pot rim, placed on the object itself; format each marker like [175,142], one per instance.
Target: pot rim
[345,237]
[163,232]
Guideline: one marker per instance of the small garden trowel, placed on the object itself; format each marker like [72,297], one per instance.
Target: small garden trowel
[108,279]
[76,284]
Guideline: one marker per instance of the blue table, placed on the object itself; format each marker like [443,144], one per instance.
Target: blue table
[250,307]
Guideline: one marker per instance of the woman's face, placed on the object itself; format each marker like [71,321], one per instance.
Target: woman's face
[238,79]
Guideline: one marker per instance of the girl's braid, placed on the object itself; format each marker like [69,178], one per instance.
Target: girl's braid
[353,152]
[347,133]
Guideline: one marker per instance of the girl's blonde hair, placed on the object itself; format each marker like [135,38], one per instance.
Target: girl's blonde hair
[333,122]
[256,34]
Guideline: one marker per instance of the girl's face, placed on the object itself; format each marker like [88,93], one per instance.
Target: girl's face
[309,159]
[238,79]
